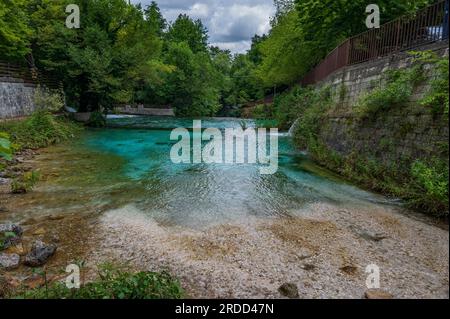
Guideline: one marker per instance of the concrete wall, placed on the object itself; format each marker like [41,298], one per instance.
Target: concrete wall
[409,131]
[16,98]
[141,110]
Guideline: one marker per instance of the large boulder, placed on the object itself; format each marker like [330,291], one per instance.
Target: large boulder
[39,254]
[9,261]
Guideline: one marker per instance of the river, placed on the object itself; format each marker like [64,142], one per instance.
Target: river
[225,230]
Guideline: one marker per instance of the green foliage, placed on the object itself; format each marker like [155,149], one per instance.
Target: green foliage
[300,101]
[423,185]
[284,54]
[192,86]
[25,183]
[244,84]
[184,29]
[45,99]
[437,98]
[263,111]
[97,119]
[39,130]
[5,147]
[395,90]
[114,283]
[15,32]
[155,19]
[304,34]
[4,237]
[431,182]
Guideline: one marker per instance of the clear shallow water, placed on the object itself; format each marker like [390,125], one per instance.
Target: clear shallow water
[115,167]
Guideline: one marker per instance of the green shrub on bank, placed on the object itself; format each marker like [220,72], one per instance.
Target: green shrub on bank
[97,119]
[431,185]
[25,183]
[396,89]
[5,147]
[39,130]
[44,99]
[288,106]
[263,111]
[114,284]
[423,186]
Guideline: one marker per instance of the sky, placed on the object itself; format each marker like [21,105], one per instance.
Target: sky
[231,23]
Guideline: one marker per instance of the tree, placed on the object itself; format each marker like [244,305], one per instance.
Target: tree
[193,85]
[104,62]
[326,23]
[155,19]
[15,32]
[285,55]
[184,29]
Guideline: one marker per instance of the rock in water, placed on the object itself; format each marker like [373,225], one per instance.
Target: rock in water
[377,294]
[9,261]
[289,290]
[39,254]
[11,228]
[9,235]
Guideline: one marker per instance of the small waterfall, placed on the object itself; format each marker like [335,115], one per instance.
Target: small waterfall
[293,127]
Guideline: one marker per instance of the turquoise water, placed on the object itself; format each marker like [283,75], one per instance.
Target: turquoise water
[129,165]
[201,194]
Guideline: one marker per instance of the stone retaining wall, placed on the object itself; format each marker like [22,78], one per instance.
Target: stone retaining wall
[410,131]
[16,98]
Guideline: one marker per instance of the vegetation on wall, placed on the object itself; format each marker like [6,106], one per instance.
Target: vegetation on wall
[395,90]
[423,184]
[437,97]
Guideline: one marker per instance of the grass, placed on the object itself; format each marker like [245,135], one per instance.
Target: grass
[41,129]
[113,283]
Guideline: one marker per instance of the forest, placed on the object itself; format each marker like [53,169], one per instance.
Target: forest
[129,54]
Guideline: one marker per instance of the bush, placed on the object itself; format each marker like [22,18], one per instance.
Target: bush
[97,119]
[25,183]
[397,89]
[114,284]
[45,99]
[431,184]
[263,111]
[437,98]
[39,130]
[5,147]
[290,105]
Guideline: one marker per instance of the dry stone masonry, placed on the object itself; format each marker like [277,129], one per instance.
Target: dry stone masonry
[409,131]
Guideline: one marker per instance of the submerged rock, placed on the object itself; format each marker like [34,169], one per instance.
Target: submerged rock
[12,228]
[39,254]
[9,235]
[9,261]
[289,290]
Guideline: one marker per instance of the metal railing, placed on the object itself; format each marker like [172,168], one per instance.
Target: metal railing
[407,32]
[10,72]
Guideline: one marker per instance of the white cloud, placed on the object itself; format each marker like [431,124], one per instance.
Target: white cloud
[231,23]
